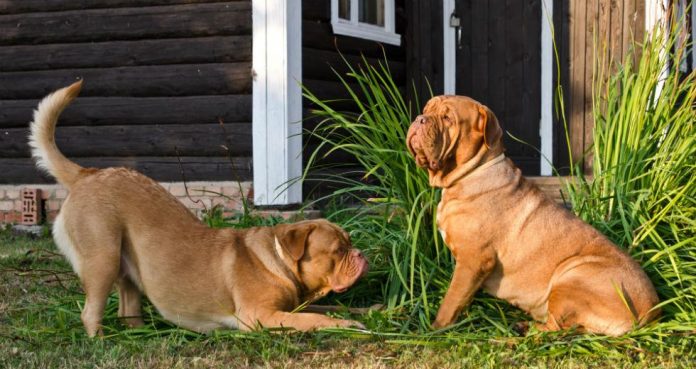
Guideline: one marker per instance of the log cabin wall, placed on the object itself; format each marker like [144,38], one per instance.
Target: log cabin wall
[159,77]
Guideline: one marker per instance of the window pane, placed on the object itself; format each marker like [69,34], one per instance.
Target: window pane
[372,12]
[344,9]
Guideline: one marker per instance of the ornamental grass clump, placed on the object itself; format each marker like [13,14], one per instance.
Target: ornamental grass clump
[642,195]
[643,188]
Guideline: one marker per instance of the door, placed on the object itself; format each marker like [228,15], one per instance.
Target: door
[499,64]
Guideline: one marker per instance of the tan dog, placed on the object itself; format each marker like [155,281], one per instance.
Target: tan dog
[508,238]
[118,226]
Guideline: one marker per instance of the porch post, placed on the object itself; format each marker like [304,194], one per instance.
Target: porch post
[277,101]
[546,122]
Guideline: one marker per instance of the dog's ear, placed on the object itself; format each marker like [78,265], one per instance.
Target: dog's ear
[293,238]
[489,126]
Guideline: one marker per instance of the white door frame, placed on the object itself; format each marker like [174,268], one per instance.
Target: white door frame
[546,121]
[277,101]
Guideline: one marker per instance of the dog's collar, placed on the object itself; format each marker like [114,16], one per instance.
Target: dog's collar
[464,171]
[291,274]
[489,163]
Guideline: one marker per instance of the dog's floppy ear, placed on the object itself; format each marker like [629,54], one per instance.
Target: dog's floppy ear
[293,238]
[488,125]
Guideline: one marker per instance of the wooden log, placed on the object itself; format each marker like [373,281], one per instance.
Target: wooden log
[316,10]
[215,49]
[35,6]
[23,170]
[96,111]
[163,80]
[320,65]
[231,18]
[145,140]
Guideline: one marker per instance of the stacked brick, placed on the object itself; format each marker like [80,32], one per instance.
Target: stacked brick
[201,196]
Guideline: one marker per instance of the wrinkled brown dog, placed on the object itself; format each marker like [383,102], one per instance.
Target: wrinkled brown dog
[508,238]
[119,227]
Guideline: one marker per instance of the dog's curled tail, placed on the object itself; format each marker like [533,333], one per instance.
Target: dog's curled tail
[42,137]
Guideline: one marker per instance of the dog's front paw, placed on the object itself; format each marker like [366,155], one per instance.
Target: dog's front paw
[345,323]
[441,323]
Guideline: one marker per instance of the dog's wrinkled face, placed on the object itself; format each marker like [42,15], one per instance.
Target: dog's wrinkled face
[450,132]
[326,260]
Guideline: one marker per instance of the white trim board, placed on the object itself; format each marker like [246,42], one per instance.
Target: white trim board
[449,43]
[546,121]
[277,102]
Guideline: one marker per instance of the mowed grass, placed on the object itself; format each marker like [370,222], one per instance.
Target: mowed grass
[40,328]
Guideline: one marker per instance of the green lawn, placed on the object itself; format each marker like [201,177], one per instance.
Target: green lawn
[40,328]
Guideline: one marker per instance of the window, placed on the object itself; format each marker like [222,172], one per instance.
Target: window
[369,19]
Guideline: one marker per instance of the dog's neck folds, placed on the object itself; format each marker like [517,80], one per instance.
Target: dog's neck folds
[463,170]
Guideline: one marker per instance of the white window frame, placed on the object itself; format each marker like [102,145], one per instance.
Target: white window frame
[355,28]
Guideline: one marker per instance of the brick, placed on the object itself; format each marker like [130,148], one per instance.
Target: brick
[53,204]
[177,189]
[2,194]
[18,206]
[47,193]
[231,190]
[212,190]
[12,194]
[6,205]
[196,202]
[60,194]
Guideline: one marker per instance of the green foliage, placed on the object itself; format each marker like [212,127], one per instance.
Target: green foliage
[643,190]
[397,222]
[642,197]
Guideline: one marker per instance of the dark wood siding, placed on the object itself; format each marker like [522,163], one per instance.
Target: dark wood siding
[159,76]
[499,65]
[321,55]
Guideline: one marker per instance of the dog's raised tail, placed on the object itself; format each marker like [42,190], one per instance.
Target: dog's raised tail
[42,137]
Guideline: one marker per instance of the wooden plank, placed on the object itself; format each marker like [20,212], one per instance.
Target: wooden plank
[528,67]
[464,52]
[99,111]
[23,170]
[215,49]
[143,140]
[479,50]
[561,13]
[319,35]
[578,60]
[595,41]
[500,21]
[232,18]
[316,10]
[616,29]
[320,65]
[520,124]
[165,80]
[29,6]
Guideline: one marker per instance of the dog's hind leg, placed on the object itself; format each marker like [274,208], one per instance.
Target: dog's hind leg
[588,308]
[129,303]
[100,249]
